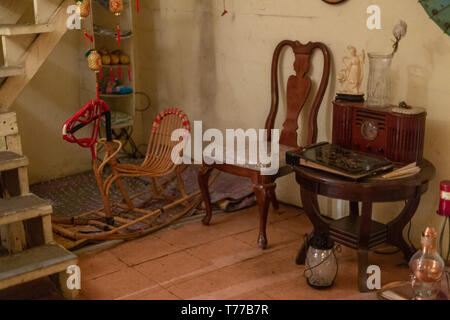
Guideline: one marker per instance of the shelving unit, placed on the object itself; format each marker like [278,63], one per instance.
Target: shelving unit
[102,24]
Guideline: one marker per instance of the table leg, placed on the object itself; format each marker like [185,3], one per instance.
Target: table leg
[203,178]
[311,207]
[396,226]
[363,245]
[321,225]
[363,263]
[354,208]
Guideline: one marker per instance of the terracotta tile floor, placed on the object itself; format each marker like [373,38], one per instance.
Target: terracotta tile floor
[220,261]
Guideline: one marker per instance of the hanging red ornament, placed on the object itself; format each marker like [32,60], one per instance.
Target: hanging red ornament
[225,11]
[137,6]
[111,74]
[129,73]
[100,74]
[84,7]
[116,7]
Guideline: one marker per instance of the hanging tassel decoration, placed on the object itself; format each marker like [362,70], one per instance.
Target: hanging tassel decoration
[118,34]
[87,37]
[97,90]
[100,74]
[137,6]
[111,74]
[116,7]
[129,73]
[225,11]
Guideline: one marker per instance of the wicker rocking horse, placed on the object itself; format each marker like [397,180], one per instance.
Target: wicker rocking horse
[157,163]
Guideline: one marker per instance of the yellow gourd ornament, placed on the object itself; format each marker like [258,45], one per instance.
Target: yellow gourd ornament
[85,8]
[94,60]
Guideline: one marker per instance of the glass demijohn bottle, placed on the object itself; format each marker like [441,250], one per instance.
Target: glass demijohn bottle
[427,268]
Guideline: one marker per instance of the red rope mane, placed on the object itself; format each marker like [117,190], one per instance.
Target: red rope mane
[90,113]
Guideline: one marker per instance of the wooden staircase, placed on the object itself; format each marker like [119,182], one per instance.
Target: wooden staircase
[29,31]
[26,45]
[27,250]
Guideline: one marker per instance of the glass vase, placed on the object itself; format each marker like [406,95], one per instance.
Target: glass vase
[379,82]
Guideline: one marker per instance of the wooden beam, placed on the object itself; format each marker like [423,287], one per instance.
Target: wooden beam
[15,47]
[34,57]
[8,125]
[45,9]
[11,71]
[24,29]
[12,10]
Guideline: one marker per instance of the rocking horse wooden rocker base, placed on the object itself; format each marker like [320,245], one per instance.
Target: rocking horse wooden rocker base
[105,224]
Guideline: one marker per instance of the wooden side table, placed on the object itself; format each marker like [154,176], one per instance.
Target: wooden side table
[357,230]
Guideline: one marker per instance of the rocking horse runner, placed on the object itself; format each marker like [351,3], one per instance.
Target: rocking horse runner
[157,163]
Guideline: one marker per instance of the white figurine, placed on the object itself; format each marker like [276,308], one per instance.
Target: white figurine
[352,73]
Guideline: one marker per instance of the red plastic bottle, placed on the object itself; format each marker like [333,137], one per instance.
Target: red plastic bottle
[444,203]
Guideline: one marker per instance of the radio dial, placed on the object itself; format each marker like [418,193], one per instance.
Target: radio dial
[369,130]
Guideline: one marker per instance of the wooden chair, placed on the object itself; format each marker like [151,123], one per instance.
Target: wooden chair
[298,89]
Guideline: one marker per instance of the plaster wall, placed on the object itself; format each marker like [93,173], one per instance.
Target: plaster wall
[217,69]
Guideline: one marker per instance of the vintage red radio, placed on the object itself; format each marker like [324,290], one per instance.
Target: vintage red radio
[395,133]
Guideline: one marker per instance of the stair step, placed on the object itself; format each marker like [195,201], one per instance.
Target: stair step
[21,29]
[23,208]
[34,263]
[11,71]
[11,160]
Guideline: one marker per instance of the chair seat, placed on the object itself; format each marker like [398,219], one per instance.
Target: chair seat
[242,159]
[154,169]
